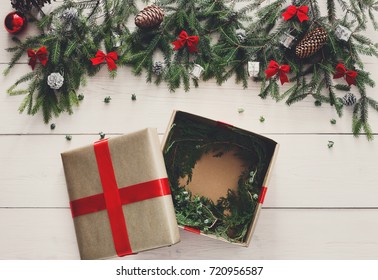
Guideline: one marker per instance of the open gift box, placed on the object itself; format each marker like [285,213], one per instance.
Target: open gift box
[120,193]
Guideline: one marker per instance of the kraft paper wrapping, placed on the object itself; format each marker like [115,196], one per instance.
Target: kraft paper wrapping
[150,223]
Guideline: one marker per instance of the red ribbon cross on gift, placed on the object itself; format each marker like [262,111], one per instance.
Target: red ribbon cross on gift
[113,198]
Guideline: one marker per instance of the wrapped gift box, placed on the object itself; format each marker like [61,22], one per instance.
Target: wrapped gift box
[218,174]
[119,196]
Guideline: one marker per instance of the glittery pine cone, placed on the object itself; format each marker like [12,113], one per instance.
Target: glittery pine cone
[150,16]
[311,43]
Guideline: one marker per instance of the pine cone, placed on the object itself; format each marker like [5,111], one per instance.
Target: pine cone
[150,16]
[27,5]
[349,99]
[158,68]
[311,43]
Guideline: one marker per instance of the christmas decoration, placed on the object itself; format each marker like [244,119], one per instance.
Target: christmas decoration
[158,68]
[71,46]
[311,43]
[110,59]
[274,68]
[184,39]
[41,54]
[69,15]
[330,144]
[27,5]
[342,33]
[102,135]
[68,137]
[133,97]
[262,119]
[333,121]
[287,40]
[300,12]
[350,75]
[99,194]
[253,68]
[240,110]
[230,217]
[80,97]
[150,16]
[107,99]
[15,22]
[241,34]
[349,99]
[196,71]
[55,80]
[52,126]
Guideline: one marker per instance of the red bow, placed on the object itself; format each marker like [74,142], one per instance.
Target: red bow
[301,13]
[41,55]
[350,75]
[191,41]
[109,58]
[274,68]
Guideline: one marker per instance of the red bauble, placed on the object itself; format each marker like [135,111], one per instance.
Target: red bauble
[15,22]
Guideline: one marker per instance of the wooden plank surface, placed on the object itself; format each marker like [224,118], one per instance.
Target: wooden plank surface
[321,203]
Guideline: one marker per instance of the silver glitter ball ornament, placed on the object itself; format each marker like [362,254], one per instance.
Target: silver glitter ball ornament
[70,14]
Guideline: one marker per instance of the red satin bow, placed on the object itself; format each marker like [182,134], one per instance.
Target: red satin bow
[301,13]
[191,41]
[110,59]
[350,75]
[41,55]
[274,68]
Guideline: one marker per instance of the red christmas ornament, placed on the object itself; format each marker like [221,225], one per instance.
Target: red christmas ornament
[15,22]
[110,59]
[350,75]
[301,13]
[274,68]
[184,39]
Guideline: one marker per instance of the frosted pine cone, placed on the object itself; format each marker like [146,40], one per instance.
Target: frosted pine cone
[349,99]
[150,16]
[158,68]
[55,80]
[70,15]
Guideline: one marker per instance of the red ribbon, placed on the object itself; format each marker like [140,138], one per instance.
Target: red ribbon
[350,75]
[191,41]
[194,230]
[262,195]
[41,55]
[113,198]
[301,13]
[110,59]
[274,68]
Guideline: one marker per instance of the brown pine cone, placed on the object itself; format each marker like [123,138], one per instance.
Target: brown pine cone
[311,43]
[27,5]
[150,16]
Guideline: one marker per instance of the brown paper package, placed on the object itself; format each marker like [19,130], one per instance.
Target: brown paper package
[150,223]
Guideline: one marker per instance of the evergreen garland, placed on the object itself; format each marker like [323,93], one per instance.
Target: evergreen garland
[230,217]
[221,51]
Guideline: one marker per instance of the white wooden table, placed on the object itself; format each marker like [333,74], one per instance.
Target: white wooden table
[321,204]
